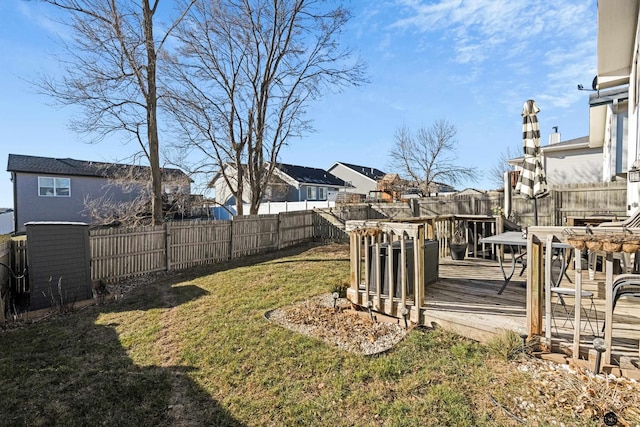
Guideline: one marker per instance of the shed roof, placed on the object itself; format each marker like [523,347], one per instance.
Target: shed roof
[73,167]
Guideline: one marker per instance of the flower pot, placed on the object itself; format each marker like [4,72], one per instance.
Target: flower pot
[458,250]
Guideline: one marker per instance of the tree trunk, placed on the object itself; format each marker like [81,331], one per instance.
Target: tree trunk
[240,189]
[152,119]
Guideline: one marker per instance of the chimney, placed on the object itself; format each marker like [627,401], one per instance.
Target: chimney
[554,137]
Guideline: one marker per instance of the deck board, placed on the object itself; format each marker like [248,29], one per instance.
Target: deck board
[465,299]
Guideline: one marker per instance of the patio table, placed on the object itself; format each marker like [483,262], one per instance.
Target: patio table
[518,247]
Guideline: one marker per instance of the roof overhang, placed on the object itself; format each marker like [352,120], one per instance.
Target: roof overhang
[555,148]
[598,113]
[617,21]
[570,145]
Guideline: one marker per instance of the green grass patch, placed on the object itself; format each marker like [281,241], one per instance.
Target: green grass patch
[194,348]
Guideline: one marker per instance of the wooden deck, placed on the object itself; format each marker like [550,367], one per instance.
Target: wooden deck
[465,300]
[464,297]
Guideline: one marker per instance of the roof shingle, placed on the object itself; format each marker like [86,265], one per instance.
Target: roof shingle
[73,167]
[369,172]
[309,175]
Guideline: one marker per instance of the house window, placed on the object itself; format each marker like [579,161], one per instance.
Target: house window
[311,193]
[54,187]
[621,117]
[322,193]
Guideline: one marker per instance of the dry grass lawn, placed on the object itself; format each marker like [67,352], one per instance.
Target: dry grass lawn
[193,348]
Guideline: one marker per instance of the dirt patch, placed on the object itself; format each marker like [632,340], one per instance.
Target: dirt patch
[346,329]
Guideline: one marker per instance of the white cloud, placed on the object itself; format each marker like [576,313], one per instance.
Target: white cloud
[40,15]
[479,26]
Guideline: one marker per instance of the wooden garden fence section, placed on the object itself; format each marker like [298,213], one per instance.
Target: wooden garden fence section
[124,252]
[563,203]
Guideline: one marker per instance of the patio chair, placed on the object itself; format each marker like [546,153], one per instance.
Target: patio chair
[560,294]
[625,285]
[633,221]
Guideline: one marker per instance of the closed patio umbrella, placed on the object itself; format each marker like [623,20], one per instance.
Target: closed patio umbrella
[532,182]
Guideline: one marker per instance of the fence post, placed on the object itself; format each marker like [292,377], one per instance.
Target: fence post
[555,208]
[278,230]
[535,284]
[233,220]
[167,246]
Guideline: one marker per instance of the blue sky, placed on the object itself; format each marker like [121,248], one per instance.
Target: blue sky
[472,63]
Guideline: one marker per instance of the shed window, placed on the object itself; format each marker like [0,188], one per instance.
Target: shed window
[54,187]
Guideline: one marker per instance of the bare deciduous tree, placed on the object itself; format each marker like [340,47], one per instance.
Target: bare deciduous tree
[502,165]
[247,70]
[110,71]
[428,156]
[126,197]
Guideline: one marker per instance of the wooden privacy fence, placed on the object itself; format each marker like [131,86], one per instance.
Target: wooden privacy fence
[562,203]
[463,204]
[295,228]
[124,252]
[190,244]
[326,230]
[582,200]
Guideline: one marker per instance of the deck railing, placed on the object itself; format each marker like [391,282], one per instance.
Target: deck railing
[393,261]
[539,264]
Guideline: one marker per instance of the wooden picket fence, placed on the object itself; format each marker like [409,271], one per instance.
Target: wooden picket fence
[125,252]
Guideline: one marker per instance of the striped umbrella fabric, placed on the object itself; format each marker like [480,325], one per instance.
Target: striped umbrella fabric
[532,182]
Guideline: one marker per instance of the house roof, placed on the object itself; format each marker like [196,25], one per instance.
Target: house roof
[307,175]
[369,172]
[571,144]
[73,167]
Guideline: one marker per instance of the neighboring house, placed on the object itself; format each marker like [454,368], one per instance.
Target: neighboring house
[614,114]
[50,189]
[361,179]
[289,183]
[6,221]
[612,148]
[471,192]
[438,188]
[574,161]
[392,187]
[305,183]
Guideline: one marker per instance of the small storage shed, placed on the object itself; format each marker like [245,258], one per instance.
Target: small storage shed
[58,251]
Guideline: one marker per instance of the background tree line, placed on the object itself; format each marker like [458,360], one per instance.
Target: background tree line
[228,80]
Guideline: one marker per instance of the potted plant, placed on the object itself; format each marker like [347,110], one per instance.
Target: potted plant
[458,242]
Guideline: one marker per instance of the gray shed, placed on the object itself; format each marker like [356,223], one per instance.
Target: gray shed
[58,252]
